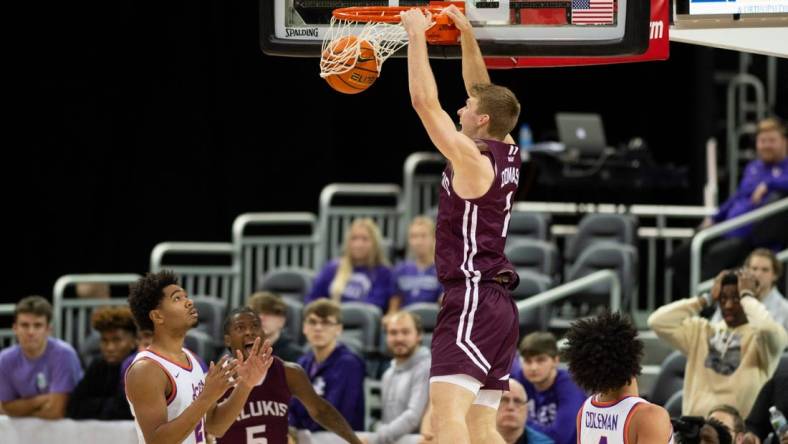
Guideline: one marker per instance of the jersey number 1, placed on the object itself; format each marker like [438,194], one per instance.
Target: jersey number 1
[508,211]
[251,431]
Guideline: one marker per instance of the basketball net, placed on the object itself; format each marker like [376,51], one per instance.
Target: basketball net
[385,38]
[379,25]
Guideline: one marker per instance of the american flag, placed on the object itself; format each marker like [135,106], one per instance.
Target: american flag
[593,12]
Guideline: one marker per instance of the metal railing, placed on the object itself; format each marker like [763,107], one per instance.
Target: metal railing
[260,253]
[334,219]
[71,317]
[718,230]
[419,191]
[661,231]
[573,287]
[7,337]
[219,281]
[736,122]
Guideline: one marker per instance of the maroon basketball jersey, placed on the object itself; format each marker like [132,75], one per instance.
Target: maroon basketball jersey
[264,415]
[471,234]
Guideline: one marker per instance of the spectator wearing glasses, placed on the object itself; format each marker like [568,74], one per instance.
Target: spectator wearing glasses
[336,373]
[513,415]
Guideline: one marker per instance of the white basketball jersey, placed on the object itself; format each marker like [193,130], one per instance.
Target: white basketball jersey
[187,384]
[607,422]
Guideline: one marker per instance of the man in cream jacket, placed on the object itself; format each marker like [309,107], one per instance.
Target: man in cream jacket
[727,361]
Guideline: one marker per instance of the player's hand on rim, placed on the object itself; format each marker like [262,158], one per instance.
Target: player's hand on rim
[416,20]
[460,20]
[251,371]
[221,377]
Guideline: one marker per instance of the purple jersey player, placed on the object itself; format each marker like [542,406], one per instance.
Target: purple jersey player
[474,341]
[265,414]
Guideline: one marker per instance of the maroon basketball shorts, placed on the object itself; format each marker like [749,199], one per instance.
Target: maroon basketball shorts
[476,334]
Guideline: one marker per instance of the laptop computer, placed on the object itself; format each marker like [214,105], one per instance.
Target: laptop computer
[582,132]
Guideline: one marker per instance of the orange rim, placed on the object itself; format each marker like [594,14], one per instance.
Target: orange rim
[379,14]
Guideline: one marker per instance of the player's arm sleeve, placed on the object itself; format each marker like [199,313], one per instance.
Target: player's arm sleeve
[409,420]
[678,323]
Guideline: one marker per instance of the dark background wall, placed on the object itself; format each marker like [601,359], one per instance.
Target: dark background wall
[140,122]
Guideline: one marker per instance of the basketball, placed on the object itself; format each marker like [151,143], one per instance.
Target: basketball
[365,66]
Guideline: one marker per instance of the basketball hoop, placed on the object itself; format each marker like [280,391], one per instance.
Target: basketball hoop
[378,25]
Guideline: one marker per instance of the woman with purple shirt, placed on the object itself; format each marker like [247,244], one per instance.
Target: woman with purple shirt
[415,279]
[361,274]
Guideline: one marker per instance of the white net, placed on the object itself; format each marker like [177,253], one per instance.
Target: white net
[340,51]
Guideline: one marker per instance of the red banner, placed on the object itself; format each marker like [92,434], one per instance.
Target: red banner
[658,48]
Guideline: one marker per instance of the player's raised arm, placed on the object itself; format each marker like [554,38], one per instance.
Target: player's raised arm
[458,148]
[249,373]
[474,71]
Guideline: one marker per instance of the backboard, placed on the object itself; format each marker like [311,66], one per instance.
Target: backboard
[580,28]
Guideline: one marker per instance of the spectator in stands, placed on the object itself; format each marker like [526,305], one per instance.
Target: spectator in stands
[93,290]
[273,316]
[336,373]
[415,279]
[763,179]
[40,372]
[98,395]
[728,361]
[266,408]
[513,415]
[730,417]
[405,383]
[774,393]
[714,432]
[763,264]
[361,274]
[553,397]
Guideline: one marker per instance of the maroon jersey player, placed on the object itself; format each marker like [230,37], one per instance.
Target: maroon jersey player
[265,414]
[474,341]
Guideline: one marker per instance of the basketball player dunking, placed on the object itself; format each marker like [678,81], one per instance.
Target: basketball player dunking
[171,398]
[604,359]
[474,340]
[265,413]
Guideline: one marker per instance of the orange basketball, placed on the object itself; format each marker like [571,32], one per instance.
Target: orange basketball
[364,71]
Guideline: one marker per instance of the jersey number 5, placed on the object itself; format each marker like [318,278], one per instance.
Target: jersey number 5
[251,431]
